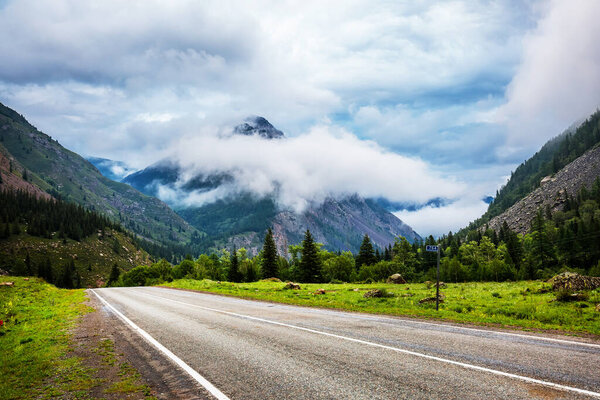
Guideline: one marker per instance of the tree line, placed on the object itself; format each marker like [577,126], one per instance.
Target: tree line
[558,241]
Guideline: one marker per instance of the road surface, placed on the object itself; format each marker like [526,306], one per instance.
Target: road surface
[240,349]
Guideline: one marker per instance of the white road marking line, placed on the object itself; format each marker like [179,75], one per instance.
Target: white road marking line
[396,349]
[199,378]
[493,332]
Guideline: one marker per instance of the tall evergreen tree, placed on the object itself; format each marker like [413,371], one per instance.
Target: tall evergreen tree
[269,256]
[310,264]
[233,274]
[366,255]
[115,273]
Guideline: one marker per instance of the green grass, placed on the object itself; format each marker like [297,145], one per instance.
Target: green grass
[508,304]
[34,341]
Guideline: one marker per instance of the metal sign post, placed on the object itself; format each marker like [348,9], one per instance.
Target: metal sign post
[437,285]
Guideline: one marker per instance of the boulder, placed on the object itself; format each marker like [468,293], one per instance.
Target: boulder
[573,281]
[291,285]
[397,279]
[598,307]
[273,279]
[432,299]
[373,293]
[320,291]
[7,284]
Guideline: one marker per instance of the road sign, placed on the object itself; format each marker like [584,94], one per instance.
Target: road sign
[432,248]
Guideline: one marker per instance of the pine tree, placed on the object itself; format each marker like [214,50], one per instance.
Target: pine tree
[115,273]
[269,256]
[28,267]
[310,263]
[233,274]
[366,255]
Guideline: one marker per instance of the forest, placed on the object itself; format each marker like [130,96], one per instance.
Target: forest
[561,241]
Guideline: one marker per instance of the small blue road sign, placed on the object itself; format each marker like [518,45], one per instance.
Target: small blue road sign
[432,248]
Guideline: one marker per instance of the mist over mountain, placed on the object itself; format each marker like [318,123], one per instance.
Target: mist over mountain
[261,184]
[115,170]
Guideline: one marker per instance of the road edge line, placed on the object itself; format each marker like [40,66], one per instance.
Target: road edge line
[524,378]
[212,389]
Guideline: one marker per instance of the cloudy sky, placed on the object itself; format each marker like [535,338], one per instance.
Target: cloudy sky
[409,100]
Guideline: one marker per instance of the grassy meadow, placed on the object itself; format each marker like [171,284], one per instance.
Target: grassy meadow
[37,347]
[527,305]
[34,338]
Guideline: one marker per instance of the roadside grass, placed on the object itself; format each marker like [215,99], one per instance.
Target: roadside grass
[527,305]
[36,347]
[34,341]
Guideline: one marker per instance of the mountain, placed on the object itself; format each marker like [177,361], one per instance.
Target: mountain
[40,235]
[243,218]
[258,126]
[562,166]
[66,175]
[552,192]
[114,170]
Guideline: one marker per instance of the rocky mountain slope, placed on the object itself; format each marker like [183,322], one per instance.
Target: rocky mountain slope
[62,173]
[242,219]
[539,180]
[549,160]
[552,192]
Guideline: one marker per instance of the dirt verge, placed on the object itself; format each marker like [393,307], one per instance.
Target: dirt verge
[123,364]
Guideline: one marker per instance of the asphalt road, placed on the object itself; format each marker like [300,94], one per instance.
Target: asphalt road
[257,350]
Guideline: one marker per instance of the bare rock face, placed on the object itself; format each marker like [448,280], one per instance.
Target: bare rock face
[552,192]
[572,281]
[397,279]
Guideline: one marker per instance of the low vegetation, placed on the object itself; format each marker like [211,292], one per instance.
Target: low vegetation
[34,339]
[40,358]
[525,304]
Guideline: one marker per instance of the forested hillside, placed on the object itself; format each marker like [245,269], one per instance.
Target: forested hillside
[551,158]
[62,242]
[66,175]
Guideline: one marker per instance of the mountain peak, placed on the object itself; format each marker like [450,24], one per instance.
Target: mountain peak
[256,125]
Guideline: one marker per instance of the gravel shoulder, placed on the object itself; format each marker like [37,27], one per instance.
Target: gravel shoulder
[123,365]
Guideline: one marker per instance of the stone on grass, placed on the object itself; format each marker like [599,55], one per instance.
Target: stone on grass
[573,281]
[320,291]
[432,299]
[7,284]
[291,285]
[397,279]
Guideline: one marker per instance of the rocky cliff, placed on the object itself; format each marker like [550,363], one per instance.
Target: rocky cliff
[583,171]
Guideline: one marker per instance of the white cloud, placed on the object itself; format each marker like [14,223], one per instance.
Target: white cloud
[438,221]
[307,168]
[558,80]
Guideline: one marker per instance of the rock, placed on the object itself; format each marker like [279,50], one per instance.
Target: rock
[373,293]
[25,279]
[291,285]
[356,290]
[432,299]
[573,281]
[7,284]
[320,291]
[273,279]
[397,279]
[598,307]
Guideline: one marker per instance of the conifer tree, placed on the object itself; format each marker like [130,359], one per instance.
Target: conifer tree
[115,273]
[366,255]
[269,256]
[233,274]
[310,263]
